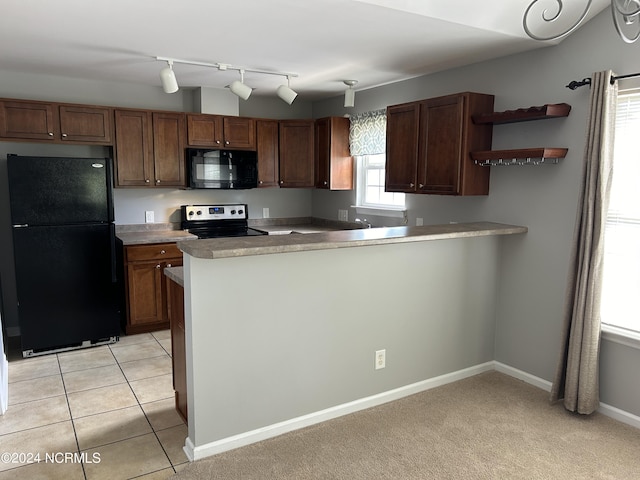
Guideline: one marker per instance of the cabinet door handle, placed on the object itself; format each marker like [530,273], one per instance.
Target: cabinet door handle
[64,135]
[281,182]
[51,134]
[168,265]
[260,182]
[157,181]
[226,143]
[421,185]
[324,183]
[412,185]
[218,142]
[147,181]
[162,252]
[158,266]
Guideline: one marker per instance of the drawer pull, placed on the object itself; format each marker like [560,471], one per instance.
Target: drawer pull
[162,252]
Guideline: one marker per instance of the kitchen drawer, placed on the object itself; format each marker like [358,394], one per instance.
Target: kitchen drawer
[155,251]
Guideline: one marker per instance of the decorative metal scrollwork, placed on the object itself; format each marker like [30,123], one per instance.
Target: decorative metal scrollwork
[626,18]
[549,16]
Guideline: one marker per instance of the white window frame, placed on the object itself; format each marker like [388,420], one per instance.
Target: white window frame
[610,331]
[364,207]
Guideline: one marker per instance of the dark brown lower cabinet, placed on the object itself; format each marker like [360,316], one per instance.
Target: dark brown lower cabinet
[178,352]
[145,288]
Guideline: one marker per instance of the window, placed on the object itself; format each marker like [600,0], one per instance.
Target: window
[367,141]
[621,277]
[370,184]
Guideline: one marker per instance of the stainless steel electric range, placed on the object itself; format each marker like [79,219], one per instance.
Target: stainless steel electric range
[215,221]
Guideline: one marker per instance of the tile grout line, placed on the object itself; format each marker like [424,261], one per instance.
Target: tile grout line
[73,423]
[145,413]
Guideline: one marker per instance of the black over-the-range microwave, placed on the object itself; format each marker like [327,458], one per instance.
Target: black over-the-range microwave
[223,169]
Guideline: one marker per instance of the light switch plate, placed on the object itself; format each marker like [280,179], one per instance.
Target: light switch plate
[148,216]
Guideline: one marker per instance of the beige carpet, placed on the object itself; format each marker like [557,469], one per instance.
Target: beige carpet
[490,426]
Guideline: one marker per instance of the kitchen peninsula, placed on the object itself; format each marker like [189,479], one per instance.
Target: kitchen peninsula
[281,331]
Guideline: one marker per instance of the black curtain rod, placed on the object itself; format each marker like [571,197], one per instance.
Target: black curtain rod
[587,81]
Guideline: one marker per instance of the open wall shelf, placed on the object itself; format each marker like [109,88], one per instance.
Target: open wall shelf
[521,156]
[554,110]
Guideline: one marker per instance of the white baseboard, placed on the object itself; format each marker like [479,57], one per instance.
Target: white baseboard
[522,375]
[620,415]
[608,410]
[247,438]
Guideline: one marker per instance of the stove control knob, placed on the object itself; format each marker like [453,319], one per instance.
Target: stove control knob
[233,212]
[240,212]
[190,213]
[199,212]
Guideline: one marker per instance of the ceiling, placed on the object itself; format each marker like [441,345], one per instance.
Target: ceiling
[322,41]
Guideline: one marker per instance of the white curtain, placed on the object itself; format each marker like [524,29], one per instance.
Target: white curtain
[576,380]
[368,133]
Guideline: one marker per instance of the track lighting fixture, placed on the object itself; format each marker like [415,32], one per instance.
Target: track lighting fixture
[286,93]
[170,85]
[239,88]
[350,93]
[168,78]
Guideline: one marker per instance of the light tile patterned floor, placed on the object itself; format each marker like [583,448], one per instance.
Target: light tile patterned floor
[110,406]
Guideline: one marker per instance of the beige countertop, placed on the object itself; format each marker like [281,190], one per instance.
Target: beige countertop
[267,244]
[140,234]
[176,274]
[294,228]
[154,236]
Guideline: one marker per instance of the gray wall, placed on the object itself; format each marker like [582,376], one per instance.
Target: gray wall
[544,198]
[306,340]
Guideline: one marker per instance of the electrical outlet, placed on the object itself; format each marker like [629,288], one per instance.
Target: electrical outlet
[148,216]
[265,212]
[419,222]
[381,359]
[343,215]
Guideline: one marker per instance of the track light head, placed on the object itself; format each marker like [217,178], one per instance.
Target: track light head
[286,93]
[239,88]
[350,93]
[168,78]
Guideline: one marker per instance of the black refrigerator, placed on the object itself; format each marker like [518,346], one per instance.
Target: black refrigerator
[64,252]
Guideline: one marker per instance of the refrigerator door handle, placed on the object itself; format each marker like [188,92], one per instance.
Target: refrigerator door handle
[109,164]
[112,240]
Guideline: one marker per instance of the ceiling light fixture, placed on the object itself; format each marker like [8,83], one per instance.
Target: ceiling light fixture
[168,78]
[286,93]
[626,14]
[350,93]
[237,87]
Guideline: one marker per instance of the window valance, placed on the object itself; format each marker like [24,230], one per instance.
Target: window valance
[368,133]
